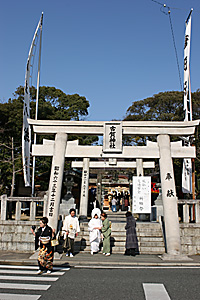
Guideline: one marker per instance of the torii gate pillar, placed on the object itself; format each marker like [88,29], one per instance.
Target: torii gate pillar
[55,184]
[170,206]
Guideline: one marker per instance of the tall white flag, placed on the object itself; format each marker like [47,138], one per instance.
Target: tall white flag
[187,106]
[26,131]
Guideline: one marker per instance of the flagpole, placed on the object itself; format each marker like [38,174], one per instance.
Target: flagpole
[36,107]
[26,130]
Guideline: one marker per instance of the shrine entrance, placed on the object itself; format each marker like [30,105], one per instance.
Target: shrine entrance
[112,148]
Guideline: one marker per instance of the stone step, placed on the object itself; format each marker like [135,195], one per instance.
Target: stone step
[150,237]
[121,243]
[142,250]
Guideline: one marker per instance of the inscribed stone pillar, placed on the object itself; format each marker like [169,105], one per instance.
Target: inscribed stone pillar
[84,188]
[55,184]
[99,181]
[170,206]
[139,167]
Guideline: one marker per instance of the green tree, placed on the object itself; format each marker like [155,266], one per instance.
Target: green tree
[54,104]
[165,106]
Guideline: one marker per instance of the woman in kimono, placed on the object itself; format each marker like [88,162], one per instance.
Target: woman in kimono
[131,236]
[43,237]
[94,228]
[106,231]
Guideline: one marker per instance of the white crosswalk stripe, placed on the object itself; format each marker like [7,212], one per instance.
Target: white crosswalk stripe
[29,278]
[31,267]
[14,273]
[28,272]
[41,287]
[18,297]
[155,291]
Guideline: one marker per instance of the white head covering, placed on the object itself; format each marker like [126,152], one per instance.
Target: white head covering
[96,211]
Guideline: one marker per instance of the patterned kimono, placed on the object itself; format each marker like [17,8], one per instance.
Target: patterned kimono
[46,251]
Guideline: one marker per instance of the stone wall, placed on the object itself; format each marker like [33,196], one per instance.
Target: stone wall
[190,241]
[17,236]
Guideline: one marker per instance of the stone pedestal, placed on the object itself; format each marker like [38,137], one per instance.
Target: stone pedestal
[65,206]
[157,208]
[68,200]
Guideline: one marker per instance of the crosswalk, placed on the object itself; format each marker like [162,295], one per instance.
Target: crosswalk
[13,278]
[155,291]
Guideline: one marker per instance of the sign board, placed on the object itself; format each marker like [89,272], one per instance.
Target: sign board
[112,140]
[141,194]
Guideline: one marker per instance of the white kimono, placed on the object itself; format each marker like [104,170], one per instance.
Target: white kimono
[70,224]
[95,234]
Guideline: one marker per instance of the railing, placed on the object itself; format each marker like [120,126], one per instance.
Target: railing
[18,207]
[189,211]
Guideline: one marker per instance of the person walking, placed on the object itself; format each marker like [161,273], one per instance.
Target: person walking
[106,231]
[71,229]
[94,228]
[126,201]
[131,236]
[43,237]
[114,204]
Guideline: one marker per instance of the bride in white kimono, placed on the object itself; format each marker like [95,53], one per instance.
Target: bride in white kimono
[94,227]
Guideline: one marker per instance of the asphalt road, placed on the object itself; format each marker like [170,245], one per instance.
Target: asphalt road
[113,284]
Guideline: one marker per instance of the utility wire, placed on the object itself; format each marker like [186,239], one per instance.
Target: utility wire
[179,73]
[163,6]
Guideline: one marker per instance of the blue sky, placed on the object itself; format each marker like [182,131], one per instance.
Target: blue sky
[113,52]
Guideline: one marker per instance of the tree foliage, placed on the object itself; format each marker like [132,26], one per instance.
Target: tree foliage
[165,106]
[53,104]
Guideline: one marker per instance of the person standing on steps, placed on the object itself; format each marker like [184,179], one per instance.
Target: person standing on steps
[131,236]
[94,228]
[106,231]
[71,229]
[43,237]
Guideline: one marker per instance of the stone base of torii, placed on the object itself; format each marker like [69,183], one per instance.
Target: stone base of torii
[112,148]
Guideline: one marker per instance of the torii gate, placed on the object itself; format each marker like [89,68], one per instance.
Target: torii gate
[112,163]
[112,148]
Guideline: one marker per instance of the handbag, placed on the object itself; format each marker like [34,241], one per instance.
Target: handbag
[54,242]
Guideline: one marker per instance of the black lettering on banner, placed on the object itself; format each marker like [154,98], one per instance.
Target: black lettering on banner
[185,63]
[186,40]
[185,88]
[26,134]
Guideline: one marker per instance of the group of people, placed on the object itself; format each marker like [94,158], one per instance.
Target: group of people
[119,200]
[99,229]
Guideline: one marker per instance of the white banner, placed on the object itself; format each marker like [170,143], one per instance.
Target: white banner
[141,194]
[26,131]
[187,176]
[187,91]
[187,106]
